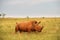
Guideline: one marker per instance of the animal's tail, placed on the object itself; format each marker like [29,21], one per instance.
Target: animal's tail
[16,22]
[16,28]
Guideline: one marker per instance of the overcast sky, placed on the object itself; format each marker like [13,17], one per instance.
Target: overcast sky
[32,8]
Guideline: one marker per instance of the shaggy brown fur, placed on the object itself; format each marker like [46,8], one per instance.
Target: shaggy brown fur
[28,26]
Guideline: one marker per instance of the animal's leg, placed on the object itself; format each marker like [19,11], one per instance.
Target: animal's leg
[29,30]
[20,30]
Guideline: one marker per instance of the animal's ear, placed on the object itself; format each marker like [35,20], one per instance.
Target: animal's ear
[39,22]
[34,22]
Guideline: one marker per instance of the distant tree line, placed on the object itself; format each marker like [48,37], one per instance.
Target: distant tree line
[2,15]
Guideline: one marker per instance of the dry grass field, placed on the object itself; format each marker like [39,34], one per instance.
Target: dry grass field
[51,30]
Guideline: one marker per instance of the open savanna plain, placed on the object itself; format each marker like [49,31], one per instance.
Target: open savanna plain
[51,30]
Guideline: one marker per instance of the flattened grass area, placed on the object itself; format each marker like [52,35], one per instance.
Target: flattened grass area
[51,30]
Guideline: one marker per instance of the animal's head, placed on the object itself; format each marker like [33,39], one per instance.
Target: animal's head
[35,23]
[38,28]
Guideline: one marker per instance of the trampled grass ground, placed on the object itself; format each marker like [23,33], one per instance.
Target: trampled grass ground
[51,29]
